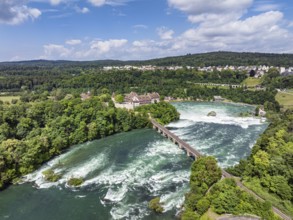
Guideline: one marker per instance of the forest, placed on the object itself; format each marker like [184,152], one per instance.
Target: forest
[223,58]
[32,78]
[34,83]
[268,170]
[209,192]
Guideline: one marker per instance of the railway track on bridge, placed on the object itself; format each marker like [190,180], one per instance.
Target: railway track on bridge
[194,153]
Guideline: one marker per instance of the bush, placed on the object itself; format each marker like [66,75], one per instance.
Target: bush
[190,215]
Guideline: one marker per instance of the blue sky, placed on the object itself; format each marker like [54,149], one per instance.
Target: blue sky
[141,29]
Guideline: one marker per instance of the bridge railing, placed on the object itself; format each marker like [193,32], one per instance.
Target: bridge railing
[176,139]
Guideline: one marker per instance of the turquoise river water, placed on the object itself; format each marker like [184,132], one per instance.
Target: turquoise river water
[123,172]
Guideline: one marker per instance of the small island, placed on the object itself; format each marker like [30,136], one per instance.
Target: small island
[75,182]
[155,205]
[51,176]
[212,113]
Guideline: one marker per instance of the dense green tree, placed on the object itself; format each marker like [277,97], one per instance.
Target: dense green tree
[119,98]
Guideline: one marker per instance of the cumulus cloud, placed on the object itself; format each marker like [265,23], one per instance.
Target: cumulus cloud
[106,46]
[88,50]
[254,33]
[16,12]
[53,51]
[165,33]
[55,2]
[215,10]
[221,26]
[73,42]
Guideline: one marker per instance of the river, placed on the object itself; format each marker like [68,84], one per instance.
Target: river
[124,171]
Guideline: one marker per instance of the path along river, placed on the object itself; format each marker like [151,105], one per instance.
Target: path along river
[123,172]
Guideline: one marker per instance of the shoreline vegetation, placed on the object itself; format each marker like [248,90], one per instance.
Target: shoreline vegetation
[267,171]
[33,133]
[209,193]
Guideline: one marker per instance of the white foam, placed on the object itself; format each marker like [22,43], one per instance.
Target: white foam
[158,181]
[81,171]
[138,172]
[116,195]
[37,175]
[193,114]
[86,168]
[130,211]
[163,148]
[163,179]
[174,199]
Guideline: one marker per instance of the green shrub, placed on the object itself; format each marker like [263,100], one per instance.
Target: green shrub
[155,205]
[50,176]
[189,215]
[75,181]
[202,205]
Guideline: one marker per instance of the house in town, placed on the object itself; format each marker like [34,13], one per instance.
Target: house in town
[137,100]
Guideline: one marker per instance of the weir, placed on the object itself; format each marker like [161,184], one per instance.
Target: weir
[191,152]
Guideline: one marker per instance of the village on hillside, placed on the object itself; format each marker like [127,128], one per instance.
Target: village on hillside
[259,70]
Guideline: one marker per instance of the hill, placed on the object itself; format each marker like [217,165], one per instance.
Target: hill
[220,58]
[226,58]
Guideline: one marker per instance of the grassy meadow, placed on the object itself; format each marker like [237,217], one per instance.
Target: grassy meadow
[285,99]
[9,98]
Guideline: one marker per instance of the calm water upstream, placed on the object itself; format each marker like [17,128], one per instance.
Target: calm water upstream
[123,172]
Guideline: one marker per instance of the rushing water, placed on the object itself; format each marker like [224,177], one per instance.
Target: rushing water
[123,172]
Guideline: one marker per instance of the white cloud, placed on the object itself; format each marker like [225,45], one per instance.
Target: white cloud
[55,2]
[220,26]
[210,6]
[16,12]
[84,10]
[73,42]
[165,33]
[257,33]
[211,10]
[100,3]
[54,51]
[106,46]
